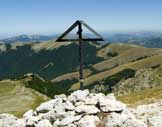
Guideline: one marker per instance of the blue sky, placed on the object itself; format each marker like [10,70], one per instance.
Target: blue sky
[52,16]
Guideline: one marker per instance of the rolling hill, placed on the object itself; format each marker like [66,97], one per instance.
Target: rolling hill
[28,38]
[48,59]
[124,69]
[17,98]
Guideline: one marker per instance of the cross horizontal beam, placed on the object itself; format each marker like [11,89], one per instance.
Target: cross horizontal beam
[87,39]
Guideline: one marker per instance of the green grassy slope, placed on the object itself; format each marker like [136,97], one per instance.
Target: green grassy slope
[16,98]
[105,65]
[129,55]
[48,59]
[145,96]
[144,63]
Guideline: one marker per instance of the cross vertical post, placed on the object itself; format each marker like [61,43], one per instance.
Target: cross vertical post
[80,55]
[80,40]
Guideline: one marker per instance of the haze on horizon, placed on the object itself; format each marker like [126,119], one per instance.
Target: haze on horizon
[53,16]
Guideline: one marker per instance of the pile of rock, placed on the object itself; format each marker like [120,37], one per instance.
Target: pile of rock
[80,109]
[150,114]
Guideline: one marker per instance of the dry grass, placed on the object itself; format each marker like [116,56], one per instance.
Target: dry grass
[115,47]
[129,55]
[16,99]
[143,97]
[71,76]
[2,47]
[49,45]
[144,63]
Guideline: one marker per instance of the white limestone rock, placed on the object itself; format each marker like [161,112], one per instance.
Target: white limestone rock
[87,109]
[29,113]
[115,119]
[88,121]
[134,123]
[59,108]
[108,105]
[123,120]
[54,115]
[44,123]
[156,121]
[151,114]
[79,103]
[61,96]
[111,96]
[70,113]
[57,123]
[91,100]
[71,125]
[98,95]
[20,123]
[51,116]
[46,106]
[78,95]
[69,106]
[69,120]
[7,120]
[32,121]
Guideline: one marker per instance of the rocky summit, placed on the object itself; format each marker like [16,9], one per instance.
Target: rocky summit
[85,109]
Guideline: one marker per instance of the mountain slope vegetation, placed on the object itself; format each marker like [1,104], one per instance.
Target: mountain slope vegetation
[125,69]
[16,98]
[48,59]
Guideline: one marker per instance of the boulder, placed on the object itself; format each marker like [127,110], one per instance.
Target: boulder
[57,123]
[91,100]
[32,121]
[29,113]
[69,106]
[7,120]
[134,123]
[69,120]
[78,95]
[156,121]
[88,121]
[44,123]
[87,109]
[51,116]
[151,114]
[123,120]
[70,113]
[71,125]
[79,103]
[111,96]
[115,120]
[20,123]
[46,106]
[61,96]
[108,105]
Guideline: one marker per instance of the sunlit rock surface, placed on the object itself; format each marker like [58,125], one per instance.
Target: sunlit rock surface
[85,109]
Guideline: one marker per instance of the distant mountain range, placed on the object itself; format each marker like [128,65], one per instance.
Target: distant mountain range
[146,39]
[28,38]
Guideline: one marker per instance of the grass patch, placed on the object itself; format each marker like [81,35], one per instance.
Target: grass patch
[111,81]
[38,100]
[48,88]
[16,99]
[142,97]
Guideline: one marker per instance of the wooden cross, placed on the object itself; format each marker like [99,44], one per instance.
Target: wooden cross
[80,39]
